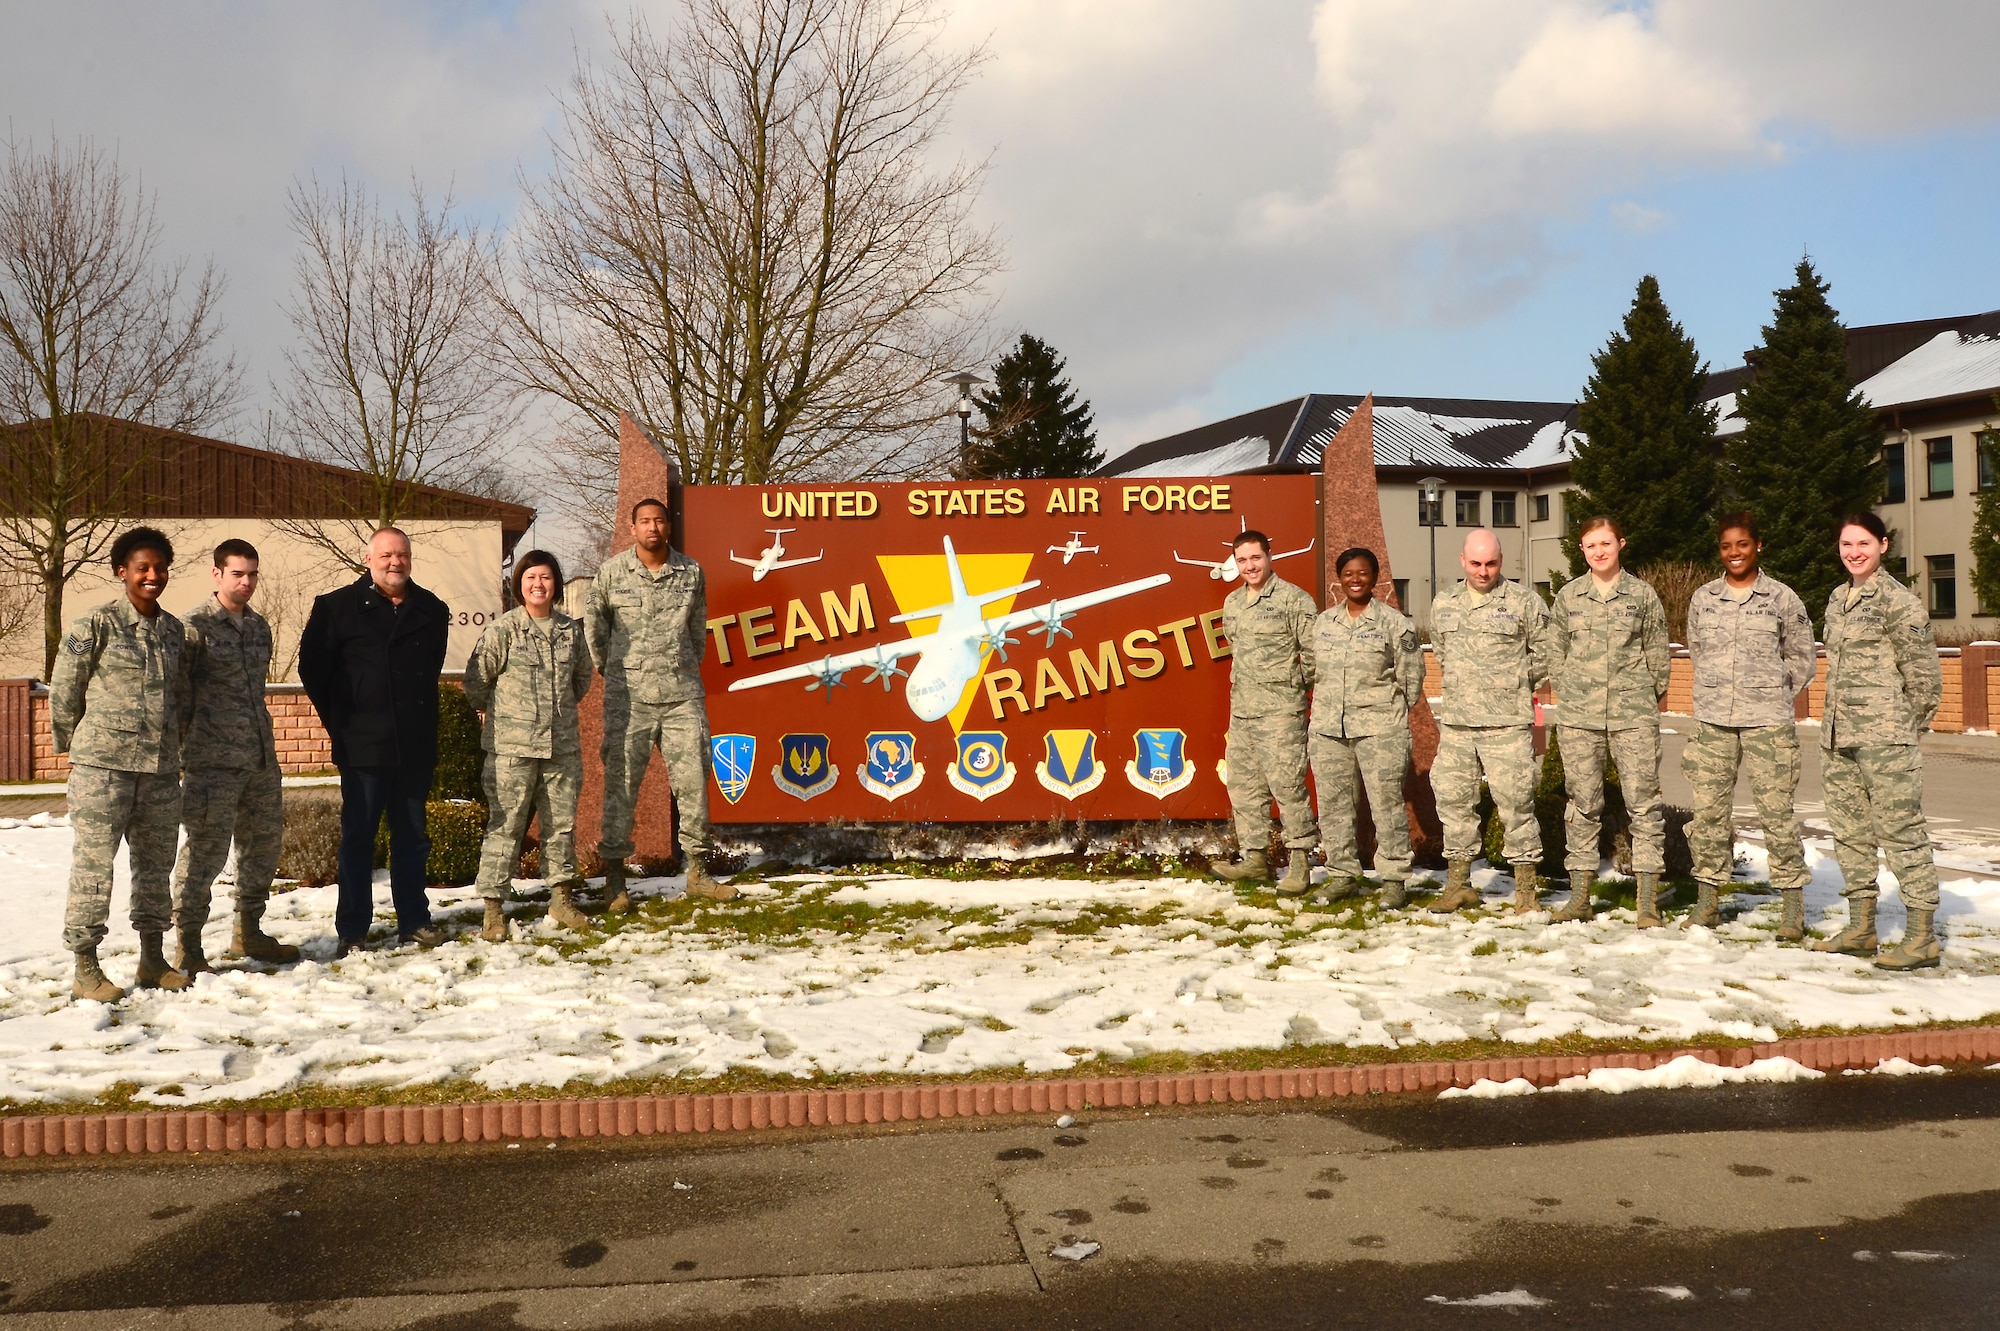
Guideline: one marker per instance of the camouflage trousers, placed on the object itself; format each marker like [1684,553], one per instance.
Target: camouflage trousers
[516,789]
[219,805]
[1770,755]
[632,730]
[1636,750]
[141,809]
[1377,762]
[1875,800]
[1267,760]
[1506,756]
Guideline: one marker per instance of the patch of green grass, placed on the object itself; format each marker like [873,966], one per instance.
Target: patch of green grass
[1487,948]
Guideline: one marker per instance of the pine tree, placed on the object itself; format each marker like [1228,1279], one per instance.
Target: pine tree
[1035,423]
[1811,447]
[1986,521]
[1650,460]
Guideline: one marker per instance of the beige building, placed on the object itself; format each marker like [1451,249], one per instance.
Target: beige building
[202,491]
[1505,464]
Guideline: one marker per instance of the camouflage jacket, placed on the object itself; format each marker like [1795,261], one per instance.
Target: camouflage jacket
[1493,656]
[1883,681]
[1367,671]
[229,723]
[527,682]
[1752,657]
[648,630]
[119,696]
[1270,648]
[1614,654]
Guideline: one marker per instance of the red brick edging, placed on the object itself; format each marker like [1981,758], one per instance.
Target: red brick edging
[195,1131]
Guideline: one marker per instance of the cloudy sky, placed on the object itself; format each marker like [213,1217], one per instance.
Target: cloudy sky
[1208,207]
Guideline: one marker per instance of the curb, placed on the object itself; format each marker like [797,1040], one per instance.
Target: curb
[192,1132]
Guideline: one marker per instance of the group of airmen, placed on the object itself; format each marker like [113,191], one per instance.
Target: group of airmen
[1334,689]
[167,729]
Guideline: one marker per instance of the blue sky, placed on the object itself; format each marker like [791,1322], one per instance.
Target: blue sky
[1207,207]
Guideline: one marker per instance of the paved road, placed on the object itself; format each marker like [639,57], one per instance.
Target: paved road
[1856,1202]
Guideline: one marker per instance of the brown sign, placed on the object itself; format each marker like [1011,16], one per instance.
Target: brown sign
[971,652]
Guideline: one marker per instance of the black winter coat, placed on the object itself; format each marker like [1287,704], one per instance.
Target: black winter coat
[371,670]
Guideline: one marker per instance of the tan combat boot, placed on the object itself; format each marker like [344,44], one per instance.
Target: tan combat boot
[700,884]
[1919,949]
[1527,889]
[1458,890]
[1649,901]
[1707,912]
[90,982]
[1395,892]
[1250,869]
[1858,938]
[1578,905]
[563,909]
[248,939]
[1298,876]
[154,972]
[189,959]
[617,901]
[1792,922]
[494,928]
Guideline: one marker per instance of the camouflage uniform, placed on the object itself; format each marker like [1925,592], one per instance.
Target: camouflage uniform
[1616,662]
[233,788]
[1751,658]
[1883,685]
[1270,672]
[647,634]
[526,675]
[1367,670]
[1493,652]
[117,706]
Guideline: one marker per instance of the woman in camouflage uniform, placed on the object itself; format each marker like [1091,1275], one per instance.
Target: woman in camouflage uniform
[526,675]
[1612,634]
[1883,685]
[1368,671]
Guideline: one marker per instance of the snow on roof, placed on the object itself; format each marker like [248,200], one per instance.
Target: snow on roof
[1238,455]
[1949,365]
[1448,433]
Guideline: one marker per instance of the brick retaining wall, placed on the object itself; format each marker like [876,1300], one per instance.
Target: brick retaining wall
[303,745]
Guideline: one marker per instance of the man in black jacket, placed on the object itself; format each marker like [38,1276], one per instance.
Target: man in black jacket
[370,659]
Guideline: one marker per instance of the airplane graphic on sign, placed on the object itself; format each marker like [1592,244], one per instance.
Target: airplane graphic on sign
[952,655]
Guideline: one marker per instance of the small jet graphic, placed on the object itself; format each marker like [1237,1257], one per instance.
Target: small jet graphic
[772,556]
[1224,569]
[1073,547]
[952,655]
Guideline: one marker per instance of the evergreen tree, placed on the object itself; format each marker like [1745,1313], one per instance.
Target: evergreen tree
[1650,460]
[1811,447]
[1986,521]
[1036,426]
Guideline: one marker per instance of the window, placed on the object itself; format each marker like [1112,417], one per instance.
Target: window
[1541,508]
[1937,453]
[1943,570]
[1503,508]
[1892,460]
[1430,515]
[1468,508]
[1897,566]
[1402,586]
[1987,446]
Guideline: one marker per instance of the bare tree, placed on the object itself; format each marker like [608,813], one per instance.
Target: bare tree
[744,243]
[390,375]
[95,335]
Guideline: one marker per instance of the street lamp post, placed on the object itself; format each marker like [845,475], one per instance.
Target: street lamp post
[1431,490]
[965,379]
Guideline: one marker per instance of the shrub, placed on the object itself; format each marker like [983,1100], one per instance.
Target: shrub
[310,851]
[461,760]
[456,827]
[1614,837]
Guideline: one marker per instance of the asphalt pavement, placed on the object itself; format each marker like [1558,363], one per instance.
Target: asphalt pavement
[1852,1202]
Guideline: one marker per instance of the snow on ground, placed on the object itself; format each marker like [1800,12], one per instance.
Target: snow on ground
[888,974]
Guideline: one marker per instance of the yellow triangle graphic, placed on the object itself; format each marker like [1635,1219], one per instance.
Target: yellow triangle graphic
[921,581]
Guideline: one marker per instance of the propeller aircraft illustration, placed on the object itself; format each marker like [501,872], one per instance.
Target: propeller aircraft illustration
[1224,569]
[953,654]
[1073,547]
[772,556]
